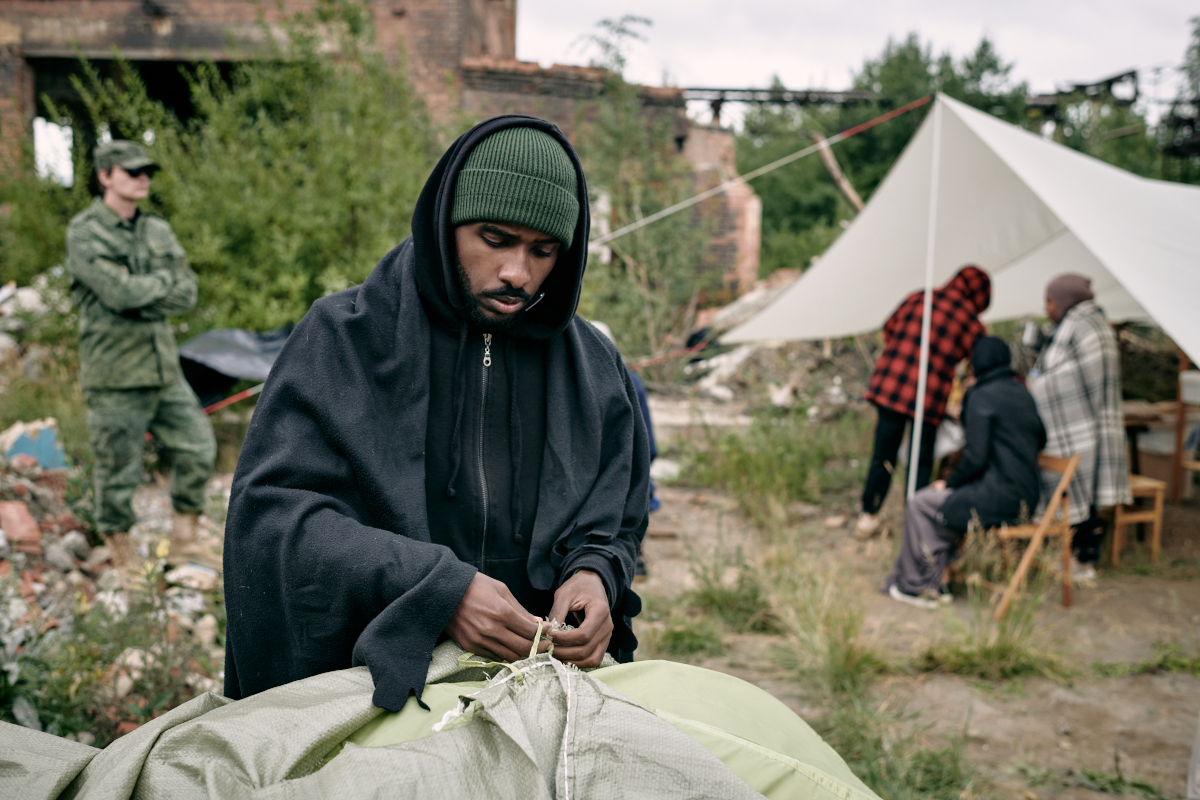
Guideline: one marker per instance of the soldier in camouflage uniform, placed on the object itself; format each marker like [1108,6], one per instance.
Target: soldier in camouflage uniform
[129,274]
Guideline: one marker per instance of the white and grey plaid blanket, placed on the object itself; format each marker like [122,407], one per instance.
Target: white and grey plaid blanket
[1078,395]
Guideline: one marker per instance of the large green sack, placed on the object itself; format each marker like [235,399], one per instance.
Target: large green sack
[763,741]
[537,729]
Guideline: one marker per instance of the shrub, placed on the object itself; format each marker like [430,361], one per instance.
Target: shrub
[69,677]
[297,174]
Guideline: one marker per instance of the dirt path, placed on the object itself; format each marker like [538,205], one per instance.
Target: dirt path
[1027,736]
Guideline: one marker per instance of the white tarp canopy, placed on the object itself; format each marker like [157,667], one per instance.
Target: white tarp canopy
[1023,208]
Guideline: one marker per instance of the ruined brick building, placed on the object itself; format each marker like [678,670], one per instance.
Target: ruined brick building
[461,54]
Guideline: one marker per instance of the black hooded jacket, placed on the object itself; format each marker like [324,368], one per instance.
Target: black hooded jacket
[997,477]
[375,460]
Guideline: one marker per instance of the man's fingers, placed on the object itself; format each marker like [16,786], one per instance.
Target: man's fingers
[596,615]
[589,655]
[562,607]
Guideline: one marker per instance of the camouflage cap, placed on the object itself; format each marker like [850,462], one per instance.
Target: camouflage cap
[122,153]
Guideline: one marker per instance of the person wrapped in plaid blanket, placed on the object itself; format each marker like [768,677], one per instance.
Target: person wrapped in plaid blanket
[1077,386]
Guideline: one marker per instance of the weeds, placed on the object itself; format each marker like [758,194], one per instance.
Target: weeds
[825,643]
[882,750]
[985,648]
[1100,781]
[780,458]
[124,661]
[45,384]
[690,637]
[740,605]
[1169,658]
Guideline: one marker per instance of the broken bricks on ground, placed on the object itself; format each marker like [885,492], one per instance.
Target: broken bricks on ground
[48,564]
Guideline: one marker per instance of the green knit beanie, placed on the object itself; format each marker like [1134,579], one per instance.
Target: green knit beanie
[522,176]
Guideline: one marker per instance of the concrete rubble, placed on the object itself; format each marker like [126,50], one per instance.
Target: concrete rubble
[50,567]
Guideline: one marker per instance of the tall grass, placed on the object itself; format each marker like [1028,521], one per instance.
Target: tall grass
[781,457]
[983,647]
[828,651]
[741,604]
[46,385]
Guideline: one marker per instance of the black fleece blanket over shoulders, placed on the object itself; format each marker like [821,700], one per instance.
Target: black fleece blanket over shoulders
[329,561]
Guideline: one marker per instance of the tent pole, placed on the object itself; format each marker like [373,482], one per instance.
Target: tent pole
[914,456]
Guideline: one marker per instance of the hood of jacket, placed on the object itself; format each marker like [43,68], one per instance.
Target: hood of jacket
[433,241]
[974,285]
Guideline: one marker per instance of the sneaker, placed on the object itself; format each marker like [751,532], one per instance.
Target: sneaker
[920,602]
[1083,571]
[867,525]
[944,595]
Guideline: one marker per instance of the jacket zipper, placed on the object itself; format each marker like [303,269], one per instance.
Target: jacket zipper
[487,362]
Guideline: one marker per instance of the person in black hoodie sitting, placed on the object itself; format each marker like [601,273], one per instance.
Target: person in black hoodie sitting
[446,451]
[996,480]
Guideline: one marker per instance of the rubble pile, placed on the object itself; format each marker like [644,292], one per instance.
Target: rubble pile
[826,379]
[51,569]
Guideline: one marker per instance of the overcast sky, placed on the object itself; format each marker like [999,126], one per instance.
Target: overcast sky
[818,45]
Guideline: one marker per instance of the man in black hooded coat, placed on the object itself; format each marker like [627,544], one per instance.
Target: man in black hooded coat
[416,470]
[996,481]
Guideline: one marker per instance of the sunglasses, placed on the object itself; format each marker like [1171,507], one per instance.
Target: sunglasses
[139,172]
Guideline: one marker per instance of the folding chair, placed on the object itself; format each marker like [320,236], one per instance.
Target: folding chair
[1048,526]
[1124,516]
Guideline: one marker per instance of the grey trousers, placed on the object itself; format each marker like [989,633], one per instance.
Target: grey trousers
[927,545]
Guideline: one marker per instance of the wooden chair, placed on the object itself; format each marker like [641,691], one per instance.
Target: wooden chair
[1060,505]
[1124,516]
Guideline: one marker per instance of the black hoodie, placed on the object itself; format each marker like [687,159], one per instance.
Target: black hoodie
[344,544]
[997,477]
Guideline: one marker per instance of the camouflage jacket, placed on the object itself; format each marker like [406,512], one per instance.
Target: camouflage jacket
[127,277]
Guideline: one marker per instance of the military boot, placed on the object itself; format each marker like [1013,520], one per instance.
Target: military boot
[183,529]
[124,554]
[188,542]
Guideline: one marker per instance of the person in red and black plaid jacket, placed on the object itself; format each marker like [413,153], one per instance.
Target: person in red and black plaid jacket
[954,327]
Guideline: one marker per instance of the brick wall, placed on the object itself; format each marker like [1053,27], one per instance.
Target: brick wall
[460,54]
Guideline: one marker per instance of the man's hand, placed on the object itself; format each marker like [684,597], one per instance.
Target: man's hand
[491,623]
[937,486]
[584,646]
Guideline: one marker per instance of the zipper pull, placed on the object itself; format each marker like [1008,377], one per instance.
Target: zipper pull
[487,350]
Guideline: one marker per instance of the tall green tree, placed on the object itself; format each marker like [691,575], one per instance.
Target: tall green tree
[648,290]
[803,212]
[295,176]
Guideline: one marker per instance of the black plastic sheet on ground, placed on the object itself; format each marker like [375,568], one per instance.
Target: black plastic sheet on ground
[215,360]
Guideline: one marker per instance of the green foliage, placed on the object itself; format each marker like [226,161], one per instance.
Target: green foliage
[741,605]
[875,744]
[290,183]
[684,638]
[780,458]
[47,386]
[1169,657]
[985,648]
[69,676]
[649,291]
[802,208]
[1109,783]
[825,645]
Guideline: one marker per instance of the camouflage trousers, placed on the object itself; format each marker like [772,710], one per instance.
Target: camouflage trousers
[118,420]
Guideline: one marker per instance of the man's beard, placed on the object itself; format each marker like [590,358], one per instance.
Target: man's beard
[475,314]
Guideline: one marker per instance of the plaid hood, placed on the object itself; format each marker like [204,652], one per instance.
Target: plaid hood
[973,285]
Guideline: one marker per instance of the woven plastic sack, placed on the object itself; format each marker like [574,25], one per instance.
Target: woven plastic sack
[536,729]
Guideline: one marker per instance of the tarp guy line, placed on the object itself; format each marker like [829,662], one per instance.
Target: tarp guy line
[763,170]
